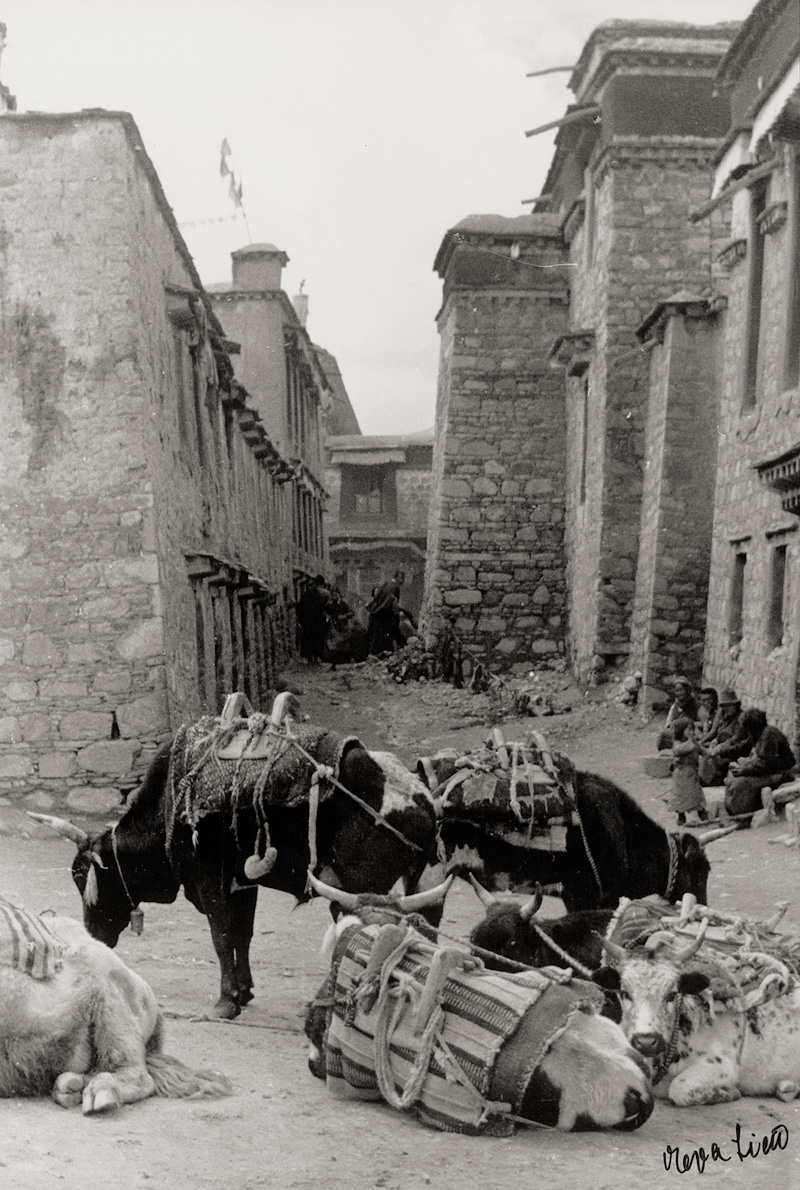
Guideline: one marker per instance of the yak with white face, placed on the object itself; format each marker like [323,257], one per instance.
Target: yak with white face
[88,1030]
[702,1055]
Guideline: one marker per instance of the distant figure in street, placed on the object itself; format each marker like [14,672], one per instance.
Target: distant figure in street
[770,763]
[687,792]
[312,619]
[384,616]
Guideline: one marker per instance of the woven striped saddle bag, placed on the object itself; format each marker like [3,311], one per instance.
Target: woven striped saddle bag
[27,943]
[432,1032]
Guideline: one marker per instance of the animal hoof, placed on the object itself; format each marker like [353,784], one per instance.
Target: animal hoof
[101,1101]
[226,1010]
[787,1091]
[255,868]
[244,995]
[68,1089]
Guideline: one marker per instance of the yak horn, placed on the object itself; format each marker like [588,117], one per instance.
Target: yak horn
[657,939]
[421,900]
[613,950]
[532,906]
[776,917]
[682,956]
[62,827]
[719,833]
[346,900]
[484,896]
[285,704]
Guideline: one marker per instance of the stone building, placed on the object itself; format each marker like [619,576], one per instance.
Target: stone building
[752,640]
[539,457]
[279,365]
[495,568]
[380,490]
[145,510]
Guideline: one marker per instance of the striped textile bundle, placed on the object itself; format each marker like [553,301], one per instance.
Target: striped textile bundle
[27,943]
[483,1011]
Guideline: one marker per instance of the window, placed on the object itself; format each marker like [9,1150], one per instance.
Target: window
[585,392]
[368,493]
[589,217]
[755,285]
[736,599]
[792,360]
[776,597]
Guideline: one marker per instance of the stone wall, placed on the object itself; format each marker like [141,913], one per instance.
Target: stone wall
[495,568]
[643,253]
[123,459]
[749,518]
[669,616]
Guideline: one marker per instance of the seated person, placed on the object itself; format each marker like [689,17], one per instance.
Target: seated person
[725,742]
[770,763]
[708,712]
[683,704]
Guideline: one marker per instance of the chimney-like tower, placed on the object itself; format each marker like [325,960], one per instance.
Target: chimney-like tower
[300,303]
[258,267]
[8,102]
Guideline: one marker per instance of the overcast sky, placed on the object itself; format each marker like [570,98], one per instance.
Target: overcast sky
[362,129]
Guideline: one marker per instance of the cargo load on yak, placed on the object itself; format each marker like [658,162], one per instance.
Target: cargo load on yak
[465,1050]
[242,764]
[521,791]
[746,961]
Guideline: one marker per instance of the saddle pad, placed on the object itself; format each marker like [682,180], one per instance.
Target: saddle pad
[27,943]
[483,1011]
[519,788]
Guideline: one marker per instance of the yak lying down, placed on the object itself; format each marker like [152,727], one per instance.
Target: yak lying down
[78,1024]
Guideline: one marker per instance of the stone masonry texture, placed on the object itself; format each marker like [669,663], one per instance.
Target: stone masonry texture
[132,504]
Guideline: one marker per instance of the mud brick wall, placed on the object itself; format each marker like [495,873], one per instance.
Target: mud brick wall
[99,499]
[748,516]
[645,251]
[495,566]
[669,616]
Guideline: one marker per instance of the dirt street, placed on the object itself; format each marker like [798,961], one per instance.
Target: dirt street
[279,1128]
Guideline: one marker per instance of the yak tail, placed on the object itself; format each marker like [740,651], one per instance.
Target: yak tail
[173,1080]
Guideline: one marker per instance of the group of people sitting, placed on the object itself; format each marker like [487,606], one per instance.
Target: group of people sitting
[715,742]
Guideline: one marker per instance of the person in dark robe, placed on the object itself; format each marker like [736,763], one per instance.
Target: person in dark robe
[312,619]
[769,763]
[726,742]
[384,616]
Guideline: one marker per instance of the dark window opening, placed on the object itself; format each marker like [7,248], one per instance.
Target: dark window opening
[736,601]
[755,287]
[368,493]
[585,393]
[777,595]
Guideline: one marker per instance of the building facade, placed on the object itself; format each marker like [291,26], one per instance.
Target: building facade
[280,366]
[753,639]
[380,491]
[146,510]
[542,407]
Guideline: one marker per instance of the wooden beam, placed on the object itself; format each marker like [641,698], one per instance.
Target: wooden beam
[753,175]
[583,113]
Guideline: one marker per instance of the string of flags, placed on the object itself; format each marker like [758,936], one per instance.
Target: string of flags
[227,168]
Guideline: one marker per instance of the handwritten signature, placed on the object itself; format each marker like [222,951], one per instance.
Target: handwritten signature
[697,1159]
